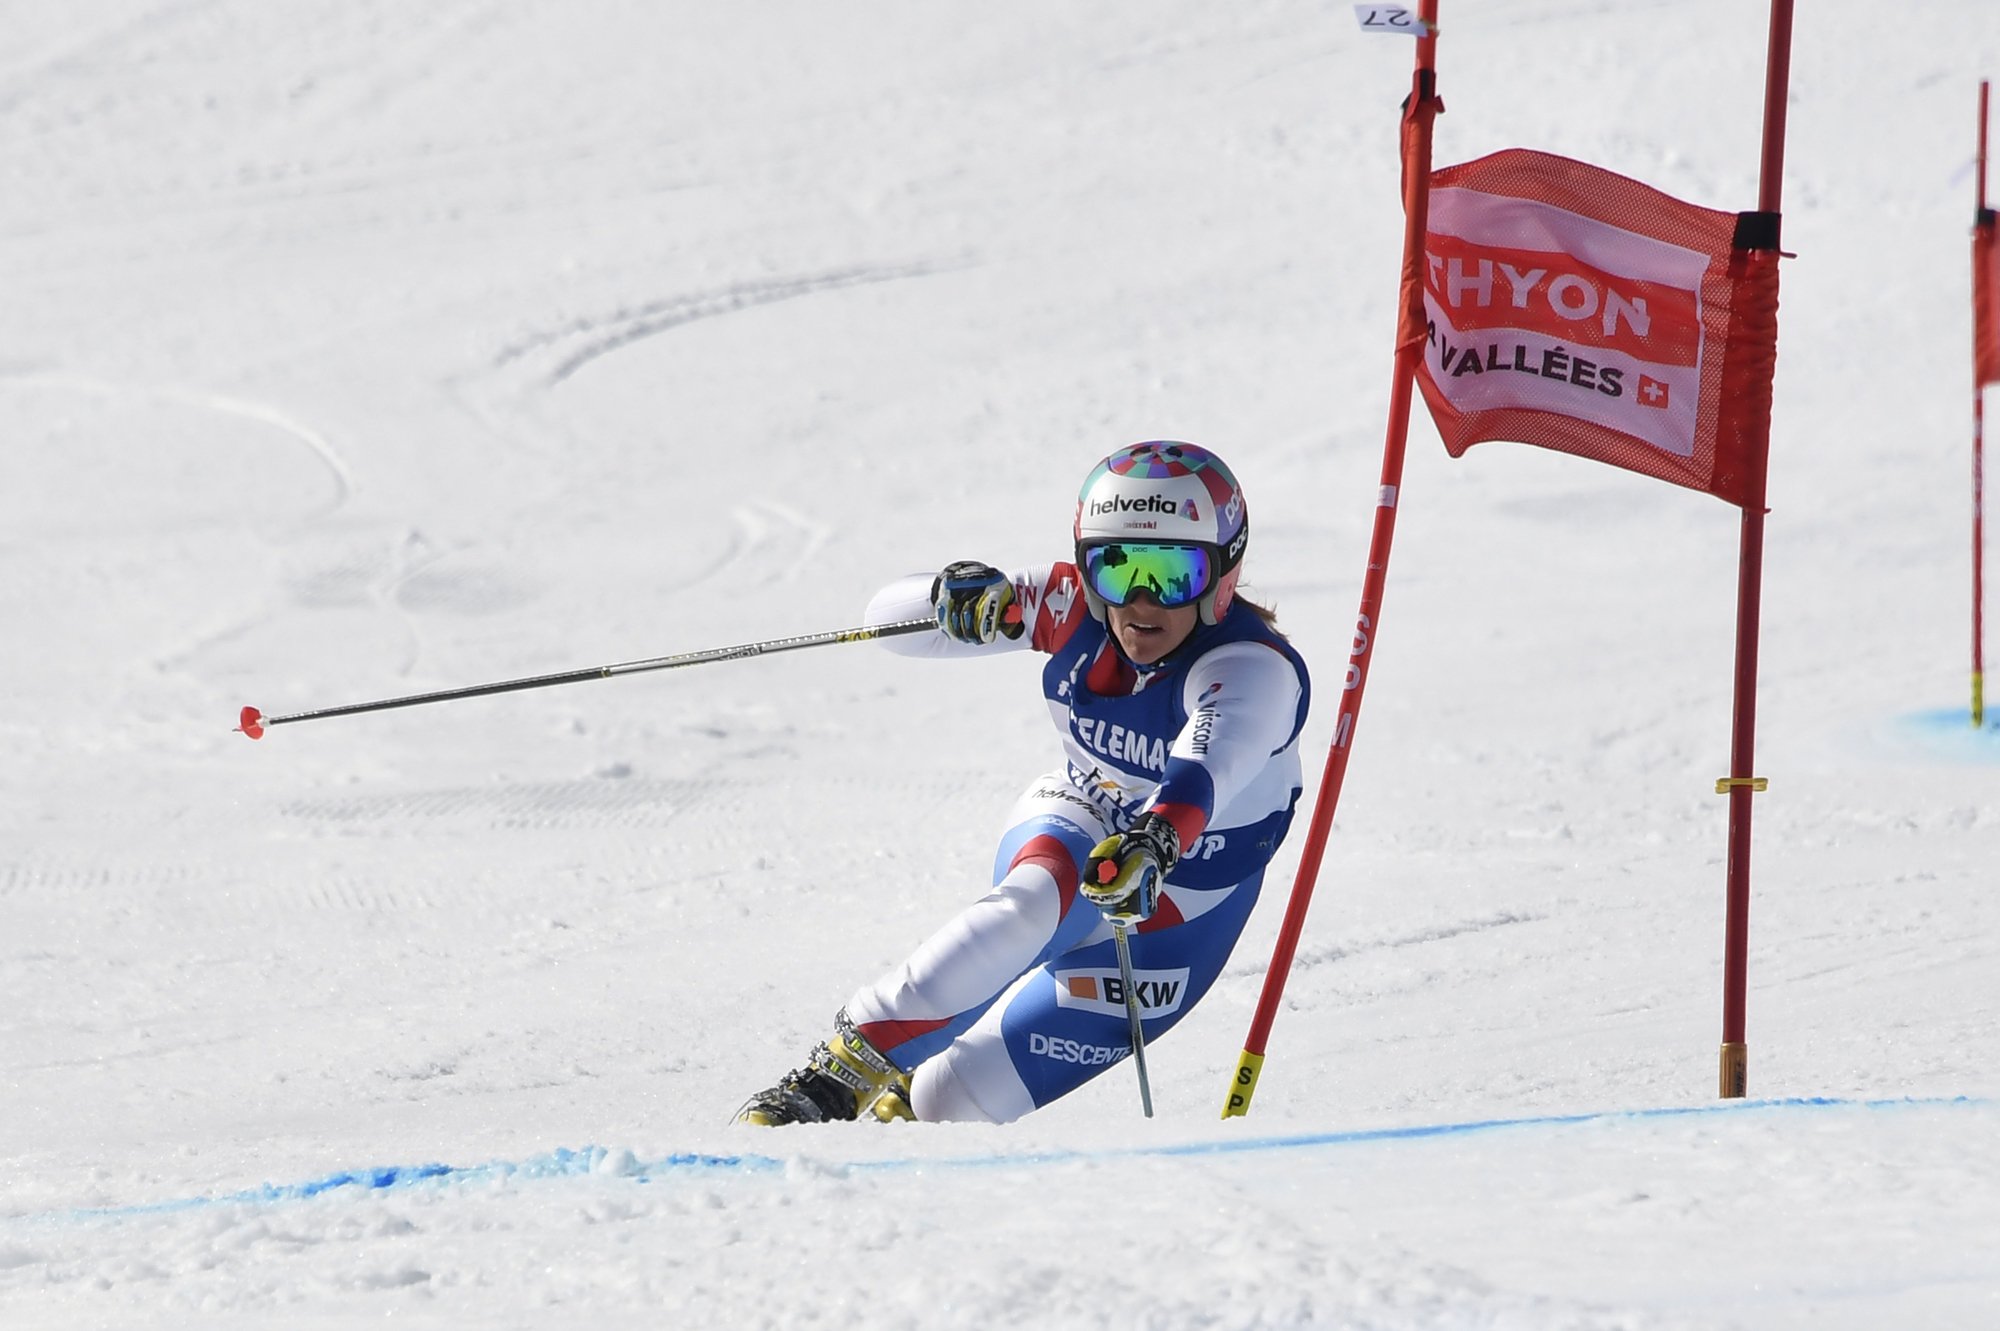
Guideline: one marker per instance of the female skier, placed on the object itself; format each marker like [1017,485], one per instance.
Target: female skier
[1180,708]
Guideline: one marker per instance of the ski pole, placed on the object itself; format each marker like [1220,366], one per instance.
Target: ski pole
[1132,1013]
[254,723]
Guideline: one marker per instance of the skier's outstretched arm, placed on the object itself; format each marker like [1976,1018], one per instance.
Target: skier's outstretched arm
[966,598]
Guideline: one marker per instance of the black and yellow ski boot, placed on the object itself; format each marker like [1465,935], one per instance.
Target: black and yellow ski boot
[841,1078]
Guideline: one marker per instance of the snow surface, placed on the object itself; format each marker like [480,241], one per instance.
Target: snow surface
[357,349]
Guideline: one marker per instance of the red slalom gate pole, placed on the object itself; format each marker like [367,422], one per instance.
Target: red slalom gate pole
[1419,112]
[1740,784]
[1983,227]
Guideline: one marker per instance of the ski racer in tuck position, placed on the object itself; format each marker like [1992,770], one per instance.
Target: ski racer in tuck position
[1180,706]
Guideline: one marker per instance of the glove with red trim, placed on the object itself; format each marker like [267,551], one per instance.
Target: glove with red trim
[1123,875]
[974,603]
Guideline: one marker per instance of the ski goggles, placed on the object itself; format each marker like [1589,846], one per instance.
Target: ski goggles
[1173,575]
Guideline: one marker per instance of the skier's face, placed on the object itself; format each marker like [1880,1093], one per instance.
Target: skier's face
[1147,631]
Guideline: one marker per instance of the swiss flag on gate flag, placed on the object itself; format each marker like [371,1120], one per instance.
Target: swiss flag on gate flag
[1574,309]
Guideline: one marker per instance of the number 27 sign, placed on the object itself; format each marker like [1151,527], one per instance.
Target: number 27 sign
[1398,20]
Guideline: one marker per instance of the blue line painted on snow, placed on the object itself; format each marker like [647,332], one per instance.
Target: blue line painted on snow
[566,1163]
[559,1163]
[1949,733]
[1414,1131]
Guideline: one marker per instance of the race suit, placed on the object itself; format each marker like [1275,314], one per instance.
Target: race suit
[1018,999]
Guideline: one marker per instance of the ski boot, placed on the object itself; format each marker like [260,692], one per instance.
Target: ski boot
[842,1077]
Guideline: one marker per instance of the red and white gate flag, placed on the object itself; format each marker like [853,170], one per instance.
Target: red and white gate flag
[1577,310]
[1985,294]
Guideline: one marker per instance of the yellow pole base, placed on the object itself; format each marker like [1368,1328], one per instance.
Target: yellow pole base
[1735,1071]
[1243,1085]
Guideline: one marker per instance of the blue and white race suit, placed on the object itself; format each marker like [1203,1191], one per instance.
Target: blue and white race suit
[1018,999]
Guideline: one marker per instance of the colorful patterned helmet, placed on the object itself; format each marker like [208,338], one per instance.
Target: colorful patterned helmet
[1166,493]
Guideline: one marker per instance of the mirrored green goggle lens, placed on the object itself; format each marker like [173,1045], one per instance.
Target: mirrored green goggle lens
[1174,575]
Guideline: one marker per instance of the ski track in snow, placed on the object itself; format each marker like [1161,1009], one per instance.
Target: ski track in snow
[221,404]
[593,803]
[1311,957]
[578,342]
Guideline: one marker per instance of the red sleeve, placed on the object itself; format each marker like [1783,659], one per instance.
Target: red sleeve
[1053,606]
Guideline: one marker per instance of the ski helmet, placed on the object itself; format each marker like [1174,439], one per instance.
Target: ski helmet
[1165,494]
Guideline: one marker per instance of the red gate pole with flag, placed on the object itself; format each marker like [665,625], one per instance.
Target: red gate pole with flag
[1740,783]
[1985,370]
[1419,111]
